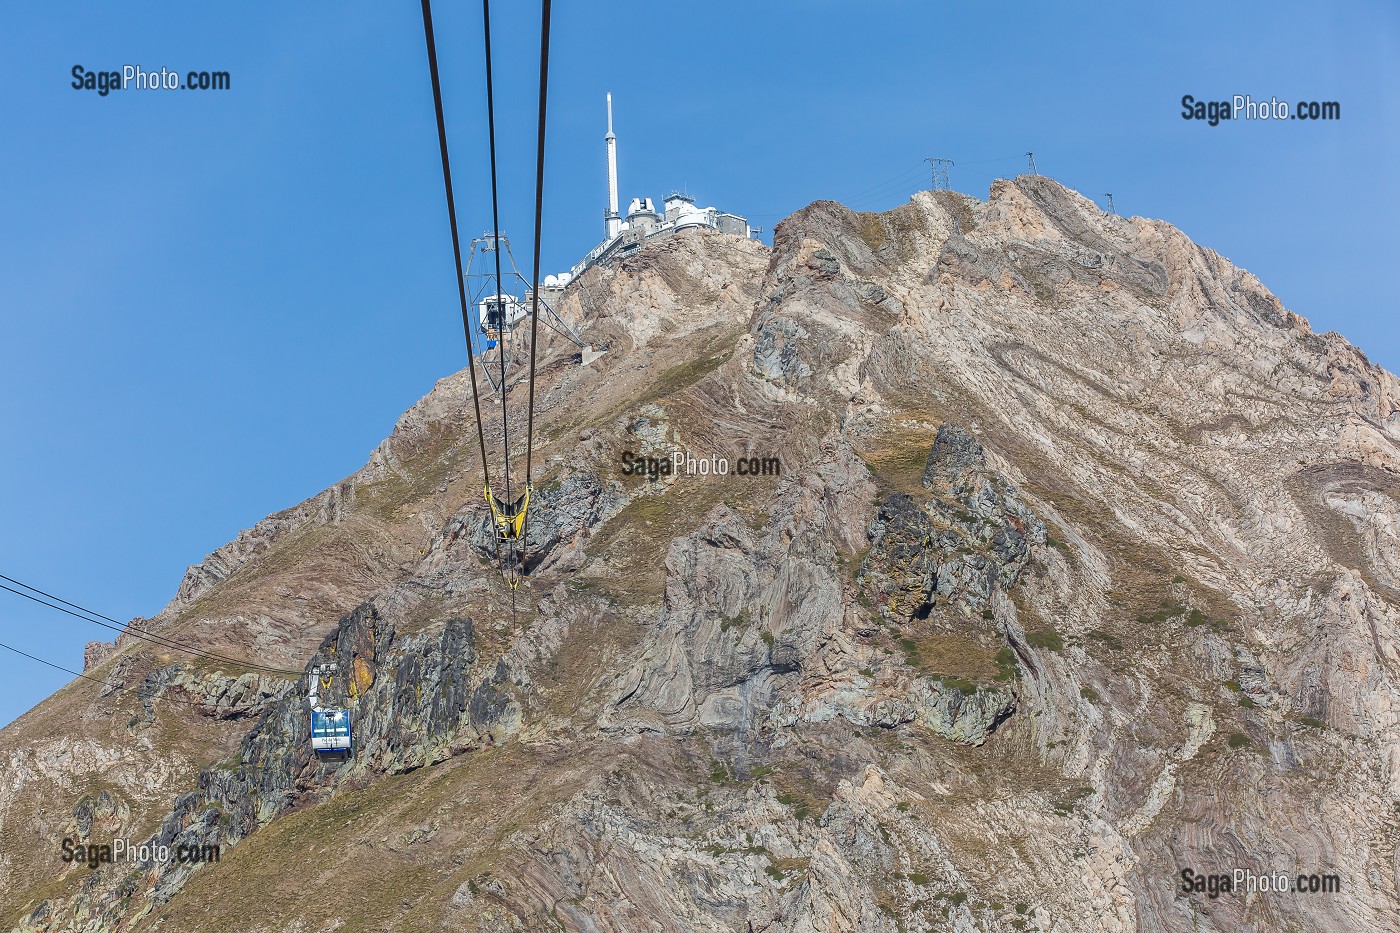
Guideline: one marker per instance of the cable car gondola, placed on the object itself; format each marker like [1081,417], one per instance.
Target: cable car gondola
[331,736]
[330,732]
[502,303]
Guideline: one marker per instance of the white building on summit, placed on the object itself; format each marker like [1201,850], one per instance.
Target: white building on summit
[623,235]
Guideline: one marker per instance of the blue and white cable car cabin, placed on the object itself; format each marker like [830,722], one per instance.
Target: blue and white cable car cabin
[330,732]
[500,313]
[330,726]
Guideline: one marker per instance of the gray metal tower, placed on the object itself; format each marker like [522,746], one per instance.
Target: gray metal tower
[940,173]
[1030,159]
[1111,208]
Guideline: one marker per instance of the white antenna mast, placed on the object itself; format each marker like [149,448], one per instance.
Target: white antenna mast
[613,222]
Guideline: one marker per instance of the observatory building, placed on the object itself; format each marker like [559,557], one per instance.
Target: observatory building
[643,222]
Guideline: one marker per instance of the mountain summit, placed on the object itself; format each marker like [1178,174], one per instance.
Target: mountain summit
[996,565]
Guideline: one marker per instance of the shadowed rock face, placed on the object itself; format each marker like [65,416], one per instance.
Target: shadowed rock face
[954,455]
[1081,564]
[561,515]
[416,700]
[961,546]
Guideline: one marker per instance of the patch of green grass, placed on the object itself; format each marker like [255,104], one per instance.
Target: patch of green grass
[1239,740]
[959,656]
[797,804]
[768,638]
[1089,693]
[872,231]
[743,618]
[960,684]
[1006,664]
[1196,617]
[1167,611]
[1046,638]
[1312,722]
[1233,686]
[911,652]
[686,374]
[1106,638]
[1246,702]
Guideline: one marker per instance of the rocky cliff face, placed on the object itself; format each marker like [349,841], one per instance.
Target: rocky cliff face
[1078,568]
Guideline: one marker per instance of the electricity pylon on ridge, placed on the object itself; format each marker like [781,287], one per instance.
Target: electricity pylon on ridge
[940,173]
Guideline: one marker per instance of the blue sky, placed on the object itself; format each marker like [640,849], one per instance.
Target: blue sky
[215,304]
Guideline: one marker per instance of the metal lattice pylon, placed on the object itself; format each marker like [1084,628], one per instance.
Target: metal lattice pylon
[940,173]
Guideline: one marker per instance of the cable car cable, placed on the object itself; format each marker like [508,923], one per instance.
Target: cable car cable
[142,634]
[539,223]
[59,599]
[496,250]
[509,516]
[452,222]
[96,680]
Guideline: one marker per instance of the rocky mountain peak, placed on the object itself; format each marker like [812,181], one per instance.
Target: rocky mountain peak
[1074,554]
